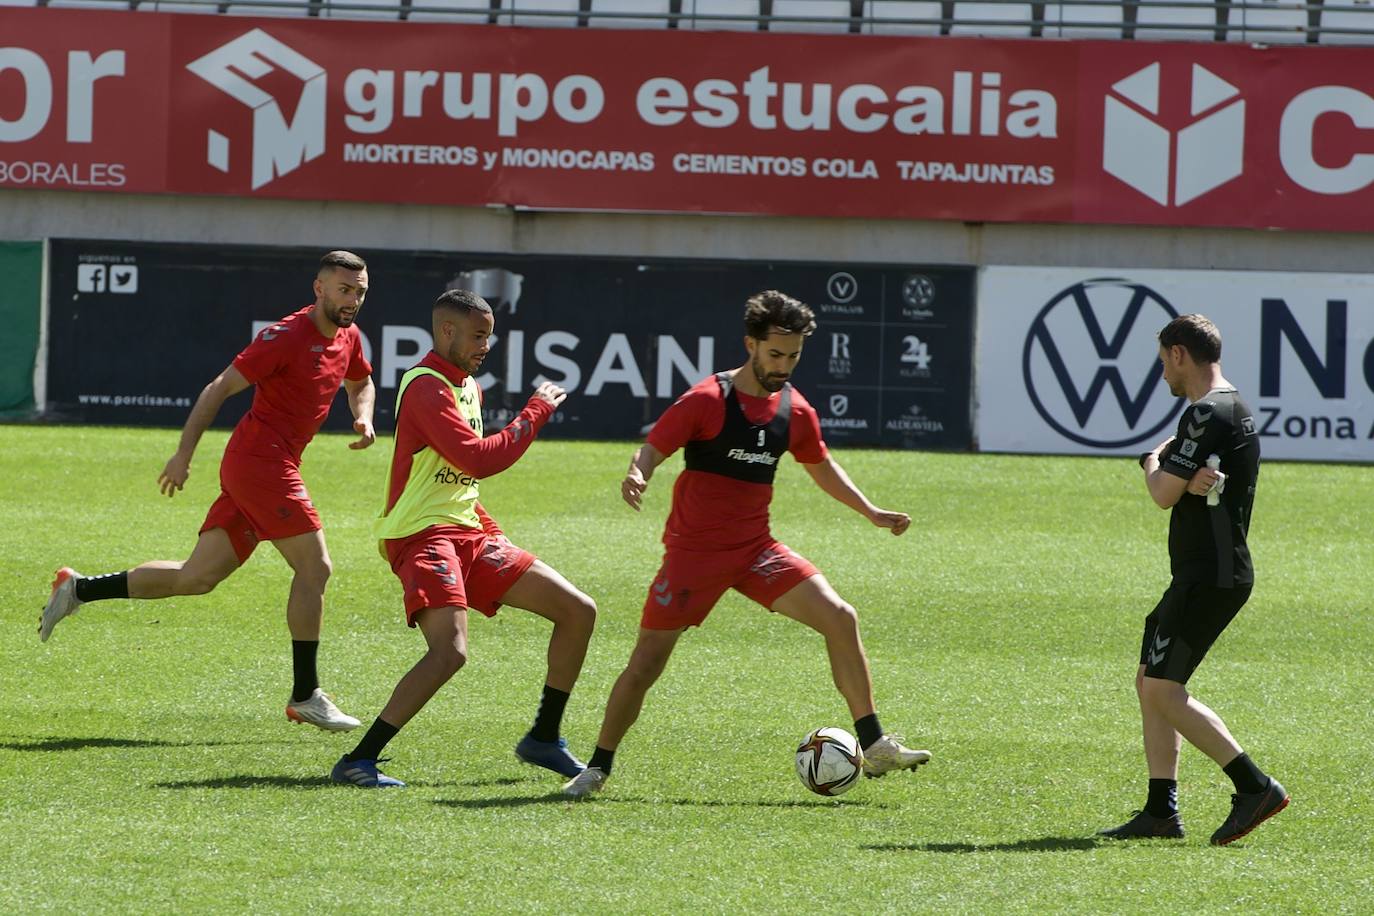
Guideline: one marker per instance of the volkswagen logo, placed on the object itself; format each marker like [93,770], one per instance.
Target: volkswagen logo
[1091,363]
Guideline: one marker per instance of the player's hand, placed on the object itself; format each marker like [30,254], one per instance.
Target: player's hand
[632,488]
[173,476]
[1203,481]
[896,522]
[367,435]
[551,393]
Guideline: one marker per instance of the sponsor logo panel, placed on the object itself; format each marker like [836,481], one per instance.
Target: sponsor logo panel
[1118,132]
[1068,359]
[580,324]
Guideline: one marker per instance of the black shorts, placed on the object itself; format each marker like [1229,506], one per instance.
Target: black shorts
[1183,626]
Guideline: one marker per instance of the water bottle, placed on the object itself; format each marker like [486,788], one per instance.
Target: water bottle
[1214,494]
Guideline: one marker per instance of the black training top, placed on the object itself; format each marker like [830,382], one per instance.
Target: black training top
[743,450]
[1207,543]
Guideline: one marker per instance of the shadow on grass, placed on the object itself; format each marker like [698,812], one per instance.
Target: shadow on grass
[516,801]
[485,783]
[1034,844]
[251,782]
[760,803]
[519,801]
[81,744]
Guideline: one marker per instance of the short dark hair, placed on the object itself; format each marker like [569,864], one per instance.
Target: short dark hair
[345,260]
[771,309]
[1196,334]
[462,300]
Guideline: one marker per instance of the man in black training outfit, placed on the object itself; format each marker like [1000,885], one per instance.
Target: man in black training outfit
[1212,578]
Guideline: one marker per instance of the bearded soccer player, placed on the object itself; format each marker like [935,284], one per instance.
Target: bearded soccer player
[448,552]
[297,366]
[1212,577]
[734,427]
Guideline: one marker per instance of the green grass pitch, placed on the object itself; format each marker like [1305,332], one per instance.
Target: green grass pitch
[147,766]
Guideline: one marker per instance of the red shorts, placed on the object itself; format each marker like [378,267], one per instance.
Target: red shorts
[690,582]
[451,566]
[260,500]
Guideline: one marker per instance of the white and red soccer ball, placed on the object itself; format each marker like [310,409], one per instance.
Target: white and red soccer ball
[829,761]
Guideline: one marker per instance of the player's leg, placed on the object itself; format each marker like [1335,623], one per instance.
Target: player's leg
[1169,705]
[212,560]
[684,591]
[446,651]
[1204,613]
[813,602]
[308,557]
[1162,740]
[1160,816]
[311,568]
[647,662]
[543,591]
[1257,796]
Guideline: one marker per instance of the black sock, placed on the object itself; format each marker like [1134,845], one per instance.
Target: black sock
[303,652]
[550,715]
[868,729]
[370,748]
[602,760]
[1247,777]
[1163,798]
[98,588]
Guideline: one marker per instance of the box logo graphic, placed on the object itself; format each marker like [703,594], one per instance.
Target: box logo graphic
[1203,155]
[278,146]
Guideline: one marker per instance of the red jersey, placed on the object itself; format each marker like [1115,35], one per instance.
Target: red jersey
[295,371]
[429,417]
[710,511]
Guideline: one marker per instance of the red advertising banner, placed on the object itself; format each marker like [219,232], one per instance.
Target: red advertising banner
[729,122]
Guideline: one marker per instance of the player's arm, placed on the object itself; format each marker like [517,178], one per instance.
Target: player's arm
[642,466]
[675,427]
[441,426]
[225,385]
[1165,488]
[831,478]
[1176,466]
[362,397]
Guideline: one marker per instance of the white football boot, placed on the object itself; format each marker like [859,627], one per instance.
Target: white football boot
[318,710]
[590,780]
[61,603]
[888,754]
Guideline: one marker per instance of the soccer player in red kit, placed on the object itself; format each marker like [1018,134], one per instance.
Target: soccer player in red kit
[734,427]
[297,366]
[448,552]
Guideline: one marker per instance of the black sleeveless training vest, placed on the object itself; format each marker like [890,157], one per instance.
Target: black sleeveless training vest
[743,450]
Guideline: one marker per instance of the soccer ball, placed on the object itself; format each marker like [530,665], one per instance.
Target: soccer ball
[829,761]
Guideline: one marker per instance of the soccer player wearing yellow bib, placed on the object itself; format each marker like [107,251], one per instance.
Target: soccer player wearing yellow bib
[450,555]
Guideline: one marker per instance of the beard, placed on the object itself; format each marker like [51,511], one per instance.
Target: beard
[770,383]
[336,315]
[469,364]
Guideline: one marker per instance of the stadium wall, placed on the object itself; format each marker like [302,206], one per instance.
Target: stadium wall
[30,214]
